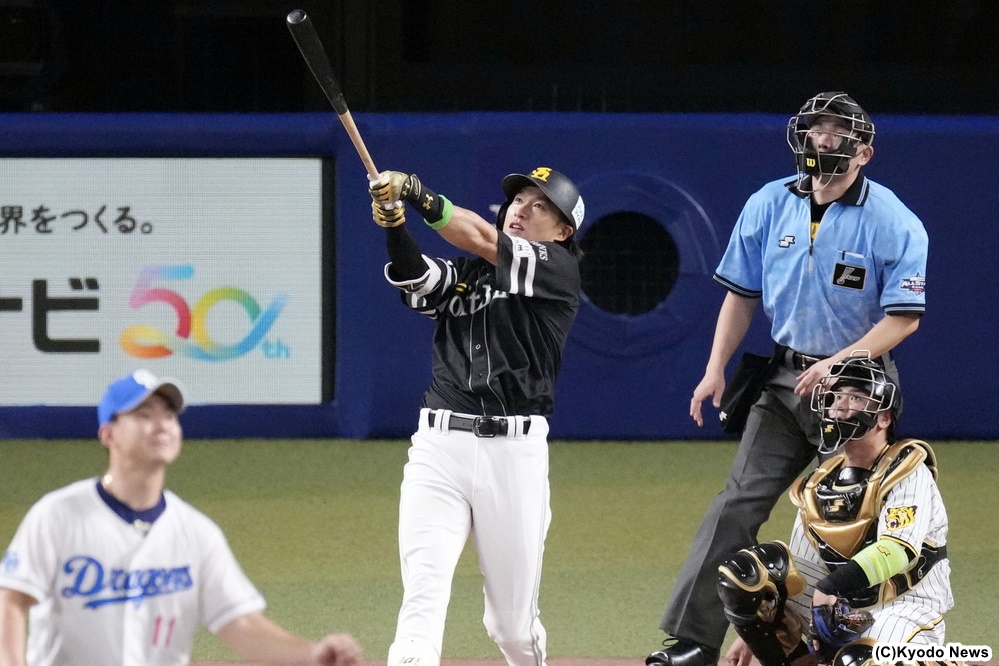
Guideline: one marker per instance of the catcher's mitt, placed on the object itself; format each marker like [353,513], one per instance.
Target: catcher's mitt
[833,626]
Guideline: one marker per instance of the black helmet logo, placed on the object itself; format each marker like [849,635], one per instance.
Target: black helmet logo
[542,173]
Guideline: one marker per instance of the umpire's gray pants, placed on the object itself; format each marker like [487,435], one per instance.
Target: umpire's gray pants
[780,440]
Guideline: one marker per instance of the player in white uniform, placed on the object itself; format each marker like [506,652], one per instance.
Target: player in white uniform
[870,536]
[118,570]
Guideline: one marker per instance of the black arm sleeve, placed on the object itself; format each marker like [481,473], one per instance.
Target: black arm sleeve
[848,577]
[407,261]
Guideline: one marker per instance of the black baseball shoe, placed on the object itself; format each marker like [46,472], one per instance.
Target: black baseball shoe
[683,652]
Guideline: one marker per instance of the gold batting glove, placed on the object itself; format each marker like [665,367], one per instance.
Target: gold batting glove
[390,187]
[391,215]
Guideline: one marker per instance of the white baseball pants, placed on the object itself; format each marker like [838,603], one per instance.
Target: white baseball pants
[496,489]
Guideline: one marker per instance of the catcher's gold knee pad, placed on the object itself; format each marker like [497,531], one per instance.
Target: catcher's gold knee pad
[758,580]
[754,585]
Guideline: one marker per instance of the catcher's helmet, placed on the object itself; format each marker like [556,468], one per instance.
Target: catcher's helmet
[857,129]
[557,187]
[863,374]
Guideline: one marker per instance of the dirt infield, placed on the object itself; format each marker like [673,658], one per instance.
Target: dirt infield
[559,661]
[563,661]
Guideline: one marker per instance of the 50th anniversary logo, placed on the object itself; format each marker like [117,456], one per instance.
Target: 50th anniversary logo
[188,334]
[191,337]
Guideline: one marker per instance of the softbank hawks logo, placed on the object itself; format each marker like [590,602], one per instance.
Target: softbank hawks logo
[465,303]
[89,578]
[542,250]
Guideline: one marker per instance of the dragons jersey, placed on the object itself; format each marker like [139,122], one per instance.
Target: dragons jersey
[868,259]
[109,595]
[501,329]
[844,510]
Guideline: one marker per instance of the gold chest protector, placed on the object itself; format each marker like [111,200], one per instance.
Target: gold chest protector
[843,516]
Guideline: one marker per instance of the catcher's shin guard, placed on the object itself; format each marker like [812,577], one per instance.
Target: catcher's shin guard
[754,585]
[412,652]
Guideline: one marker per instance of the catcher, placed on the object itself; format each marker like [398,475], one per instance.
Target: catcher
[868,556]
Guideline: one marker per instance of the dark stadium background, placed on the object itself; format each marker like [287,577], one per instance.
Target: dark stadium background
[452,55]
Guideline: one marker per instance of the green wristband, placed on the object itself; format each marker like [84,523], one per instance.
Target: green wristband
[447,208]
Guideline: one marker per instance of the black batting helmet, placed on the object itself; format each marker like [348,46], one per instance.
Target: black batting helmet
[865,375]
[857,129]
[557,187]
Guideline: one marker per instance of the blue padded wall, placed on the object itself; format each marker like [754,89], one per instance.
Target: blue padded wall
[623,376]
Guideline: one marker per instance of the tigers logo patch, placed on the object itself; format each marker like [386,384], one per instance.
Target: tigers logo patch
[899,517]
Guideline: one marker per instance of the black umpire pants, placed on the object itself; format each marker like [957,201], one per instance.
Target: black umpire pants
[780,440]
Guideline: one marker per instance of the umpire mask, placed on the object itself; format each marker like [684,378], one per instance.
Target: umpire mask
[857,129]
[849,399]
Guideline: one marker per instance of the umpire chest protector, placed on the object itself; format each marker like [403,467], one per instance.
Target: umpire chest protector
[840,507]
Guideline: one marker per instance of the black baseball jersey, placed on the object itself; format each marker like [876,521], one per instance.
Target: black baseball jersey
[501,329]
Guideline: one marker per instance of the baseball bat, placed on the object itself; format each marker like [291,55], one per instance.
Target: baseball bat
[315,57]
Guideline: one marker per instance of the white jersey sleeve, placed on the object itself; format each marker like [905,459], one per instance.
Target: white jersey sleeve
[29,563]
[427,293]
[914,512]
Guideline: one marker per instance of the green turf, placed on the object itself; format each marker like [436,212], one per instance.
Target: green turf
[314,525]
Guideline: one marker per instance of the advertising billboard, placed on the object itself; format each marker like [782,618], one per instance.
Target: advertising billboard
[206,269]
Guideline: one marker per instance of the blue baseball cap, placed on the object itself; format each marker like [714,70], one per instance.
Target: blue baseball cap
[127,393]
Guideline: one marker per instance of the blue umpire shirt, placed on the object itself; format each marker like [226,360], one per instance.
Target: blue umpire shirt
[868,259]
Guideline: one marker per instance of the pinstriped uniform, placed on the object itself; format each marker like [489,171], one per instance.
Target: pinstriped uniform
[497,351]
[913,514]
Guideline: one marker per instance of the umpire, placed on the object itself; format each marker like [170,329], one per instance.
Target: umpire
[839,264]
[478,464]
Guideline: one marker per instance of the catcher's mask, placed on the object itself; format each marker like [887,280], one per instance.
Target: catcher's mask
[857,129]
[873,392]
[557,187]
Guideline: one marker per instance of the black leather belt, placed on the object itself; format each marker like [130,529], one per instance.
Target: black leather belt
[480,426]
[800,361]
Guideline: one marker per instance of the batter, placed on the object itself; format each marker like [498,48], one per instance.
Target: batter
[478,464]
